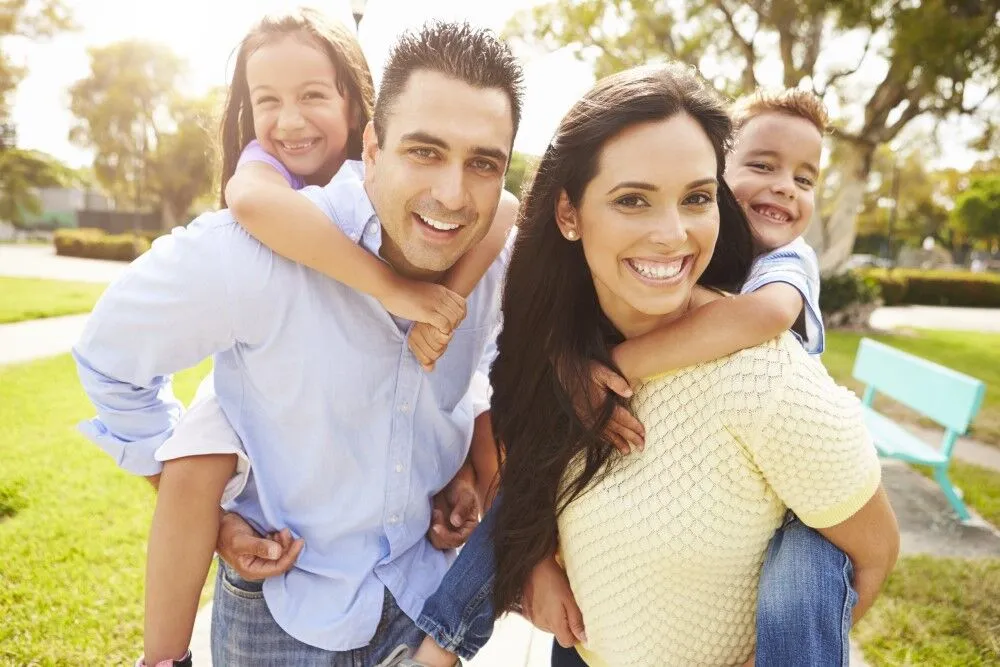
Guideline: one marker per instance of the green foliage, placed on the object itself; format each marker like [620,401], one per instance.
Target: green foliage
[21,172]
[845,290]
[977,210]
[519,174]
[937,288]
[32,20]
[95,244]
[152,145]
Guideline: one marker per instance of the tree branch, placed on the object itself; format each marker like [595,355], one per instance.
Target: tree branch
[746,46]
[836,76]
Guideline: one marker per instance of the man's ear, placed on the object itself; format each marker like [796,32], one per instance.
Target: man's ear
[566,217]
[371,148]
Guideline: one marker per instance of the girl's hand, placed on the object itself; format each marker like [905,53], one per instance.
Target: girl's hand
[430,303]
[427,344]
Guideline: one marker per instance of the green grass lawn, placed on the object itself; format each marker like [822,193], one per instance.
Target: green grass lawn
[935,611]
[73,540]
[977,354]
[33,298]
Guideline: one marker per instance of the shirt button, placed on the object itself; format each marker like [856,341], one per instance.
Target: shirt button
[372,228]
[404,408]
[393,519]
[399,467]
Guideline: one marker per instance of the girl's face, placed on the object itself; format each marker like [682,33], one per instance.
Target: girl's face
[648,221]
[298,114]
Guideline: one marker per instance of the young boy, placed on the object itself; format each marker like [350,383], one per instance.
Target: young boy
[772,170]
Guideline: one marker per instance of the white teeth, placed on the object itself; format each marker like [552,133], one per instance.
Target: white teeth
[300,146]
[772,213]
[658,271]
[437,224]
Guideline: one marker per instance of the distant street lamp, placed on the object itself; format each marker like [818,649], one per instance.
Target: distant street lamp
[358,10]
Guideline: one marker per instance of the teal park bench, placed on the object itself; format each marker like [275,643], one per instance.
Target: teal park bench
[948,397]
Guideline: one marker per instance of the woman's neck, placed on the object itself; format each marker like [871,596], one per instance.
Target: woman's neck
[632,323]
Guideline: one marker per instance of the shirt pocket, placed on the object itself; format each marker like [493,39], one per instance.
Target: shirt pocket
[452,375]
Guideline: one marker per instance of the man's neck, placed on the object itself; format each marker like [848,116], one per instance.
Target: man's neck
[391,254]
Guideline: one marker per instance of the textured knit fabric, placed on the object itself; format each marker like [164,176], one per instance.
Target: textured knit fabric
[664,552]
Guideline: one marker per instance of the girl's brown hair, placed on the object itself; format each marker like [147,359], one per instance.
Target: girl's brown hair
[354,80]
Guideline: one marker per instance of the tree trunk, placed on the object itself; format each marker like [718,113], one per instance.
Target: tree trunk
[833,237]
[168,219]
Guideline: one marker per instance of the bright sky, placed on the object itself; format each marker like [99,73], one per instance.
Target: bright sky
[205,32]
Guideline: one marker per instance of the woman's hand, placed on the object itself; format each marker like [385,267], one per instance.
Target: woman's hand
[252,556]
[549,604]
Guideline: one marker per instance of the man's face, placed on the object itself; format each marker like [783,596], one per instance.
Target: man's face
[435,181]
[772,171]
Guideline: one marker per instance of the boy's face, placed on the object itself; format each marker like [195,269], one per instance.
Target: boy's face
[772,171]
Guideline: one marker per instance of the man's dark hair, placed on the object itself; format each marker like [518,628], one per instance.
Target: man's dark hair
[475,56]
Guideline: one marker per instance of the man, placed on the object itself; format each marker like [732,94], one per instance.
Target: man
[348,436]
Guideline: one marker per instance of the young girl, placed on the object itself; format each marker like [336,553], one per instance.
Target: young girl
[300,98]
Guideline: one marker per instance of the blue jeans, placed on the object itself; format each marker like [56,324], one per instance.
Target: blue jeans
[804,601]
[244,634]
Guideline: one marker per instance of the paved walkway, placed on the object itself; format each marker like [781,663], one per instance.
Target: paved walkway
[937,317]
[41,261]
[36,339]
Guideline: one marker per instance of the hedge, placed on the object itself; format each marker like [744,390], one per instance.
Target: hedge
[937,288]
[96,244]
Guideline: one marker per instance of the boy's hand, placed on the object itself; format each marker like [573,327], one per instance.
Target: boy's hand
[624,431]
[549,604]
[426,302]
[427,344]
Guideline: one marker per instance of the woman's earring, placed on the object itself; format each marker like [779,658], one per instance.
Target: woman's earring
[571,235]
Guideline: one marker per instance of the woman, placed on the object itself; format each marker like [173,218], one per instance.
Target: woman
[629,225]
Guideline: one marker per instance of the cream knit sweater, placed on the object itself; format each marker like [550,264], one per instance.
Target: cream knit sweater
[664,553]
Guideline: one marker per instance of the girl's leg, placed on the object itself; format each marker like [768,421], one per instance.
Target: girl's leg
[805,601]
[181,545]
[458,618]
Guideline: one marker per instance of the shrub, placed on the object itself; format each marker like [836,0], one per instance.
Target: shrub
[848,299]
[937,288]
[95,244]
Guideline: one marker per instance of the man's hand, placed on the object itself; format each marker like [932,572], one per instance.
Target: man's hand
[456,511]
[624,431]
[549,604]
[254,557]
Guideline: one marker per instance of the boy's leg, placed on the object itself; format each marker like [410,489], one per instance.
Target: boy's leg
[181,545]
[459,615]
[805,601]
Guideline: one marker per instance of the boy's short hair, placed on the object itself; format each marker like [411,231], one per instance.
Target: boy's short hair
[790,102]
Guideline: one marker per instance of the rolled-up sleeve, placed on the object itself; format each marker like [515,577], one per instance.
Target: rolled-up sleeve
[167,312]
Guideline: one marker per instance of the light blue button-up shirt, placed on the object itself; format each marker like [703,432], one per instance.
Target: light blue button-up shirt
[348,437]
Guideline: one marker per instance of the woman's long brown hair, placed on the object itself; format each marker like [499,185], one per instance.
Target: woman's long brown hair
[354,81]
[553,326]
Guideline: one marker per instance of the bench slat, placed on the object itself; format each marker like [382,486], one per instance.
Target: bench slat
[894,441]
[948,397]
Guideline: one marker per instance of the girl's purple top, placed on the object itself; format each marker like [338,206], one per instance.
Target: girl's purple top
[254,152]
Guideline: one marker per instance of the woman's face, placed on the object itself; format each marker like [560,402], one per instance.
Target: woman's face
[648,221]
